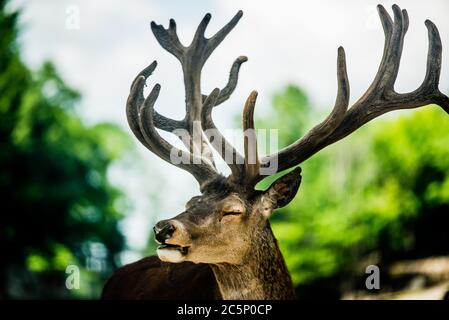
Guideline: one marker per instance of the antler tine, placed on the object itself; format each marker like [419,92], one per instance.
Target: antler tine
[209,45]
[168,38]
[213,42]
[250,140]
[394,35]
[199,38]
[226,92]
[135,99]
[434,53]
[335,118]
[394,50]
[160,121]
[303,148]
[167,124]
[218,141]
[380,96]
[433,68]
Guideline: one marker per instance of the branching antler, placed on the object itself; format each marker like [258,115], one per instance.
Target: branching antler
[192,59]
[377,100]
[246,170]
[226,92]
[144,120]
[150,138]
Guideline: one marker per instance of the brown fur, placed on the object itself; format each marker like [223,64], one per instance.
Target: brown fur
[152,279]
[262,275]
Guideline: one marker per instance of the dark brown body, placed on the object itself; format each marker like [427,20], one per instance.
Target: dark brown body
[152,279]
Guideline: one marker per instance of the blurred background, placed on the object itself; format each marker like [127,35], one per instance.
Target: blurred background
[78,190]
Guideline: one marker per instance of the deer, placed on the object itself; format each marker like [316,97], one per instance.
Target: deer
[222,246]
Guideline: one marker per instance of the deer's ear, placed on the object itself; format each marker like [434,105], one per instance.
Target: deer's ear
[283,190]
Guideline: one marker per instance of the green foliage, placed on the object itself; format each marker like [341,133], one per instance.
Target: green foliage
[58,207]
[376,191]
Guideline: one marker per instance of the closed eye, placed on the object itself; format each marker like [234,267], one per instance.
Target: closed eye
[232,209]
[229,215]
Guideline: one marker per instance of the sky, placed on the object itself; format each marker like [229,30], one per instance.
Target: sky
[100,46]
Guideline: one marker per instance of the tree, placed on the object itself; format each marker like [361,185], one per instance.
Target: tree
[58,208]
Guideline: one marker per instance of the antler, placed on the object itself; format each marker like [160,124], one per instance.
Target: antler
[377,100]
[144,120]
[141,121]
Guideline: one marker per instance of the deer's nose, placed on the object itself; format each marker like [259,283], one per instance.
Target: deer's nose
[163,230]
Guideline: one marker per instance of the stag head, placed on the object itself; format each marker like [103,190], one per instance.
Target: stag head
[230,218]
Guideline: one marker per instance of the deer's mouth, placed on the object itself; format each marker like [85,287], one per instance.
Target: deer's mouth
[168,246]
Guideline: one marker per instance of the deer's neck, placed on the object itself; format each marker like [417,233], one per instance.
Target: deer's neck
[262,275]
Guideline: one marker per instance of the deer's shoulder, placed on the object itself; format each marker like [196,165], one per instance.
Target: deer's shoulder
[151,278]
